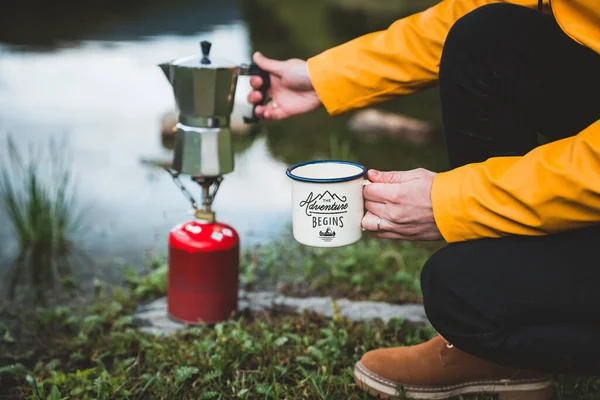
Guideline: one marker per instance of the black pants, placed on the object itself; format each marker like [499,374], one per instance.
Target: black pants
[508,73]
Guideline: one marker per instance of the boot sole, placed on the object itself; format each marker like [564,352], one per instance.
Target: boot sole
[506,389]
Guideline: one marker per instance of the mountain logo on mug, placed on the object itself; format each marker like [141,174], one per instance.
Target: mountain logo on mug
[326,210]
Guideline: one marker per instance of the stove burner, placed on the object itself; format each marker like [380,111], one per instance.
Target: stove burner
[210,186]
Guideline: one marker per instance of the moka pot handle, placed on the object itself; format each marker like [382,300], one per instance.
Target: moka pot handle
[254,69]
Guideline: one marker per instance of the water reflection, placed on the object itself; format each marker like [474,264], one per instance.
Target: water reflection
[41,25]
[97,81]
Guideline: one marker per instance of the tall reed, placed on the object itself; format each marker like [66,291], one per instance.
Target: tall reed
[38,198]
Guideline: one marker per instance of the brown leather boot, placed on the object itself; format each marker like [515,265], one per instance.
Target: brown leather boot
[438,370]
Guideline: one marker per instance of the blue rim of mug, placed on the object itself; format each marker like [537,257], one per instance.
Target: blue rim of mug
[289,172]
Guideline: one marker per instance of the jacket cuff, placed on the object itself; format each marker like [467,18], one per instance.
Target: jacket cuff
[322,72]
[448,205]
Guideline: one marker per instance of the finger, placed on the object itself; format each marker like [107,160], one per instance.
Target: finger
[256,82]
[369,222]
[376,208]
[385,176]
[260,111]
[255,97]
[395,176]
[268,64]
[383,192]
[274,112]
[274,115]
[395,214]
[278,114]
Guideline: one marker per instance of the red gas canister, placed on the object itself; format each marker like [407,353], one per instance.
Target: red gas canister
[203,272]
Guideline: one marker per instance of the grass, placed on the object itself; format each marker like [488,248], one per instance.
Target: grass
[261,356]
[370,269]
[101,355]
[37,195]
[339,148]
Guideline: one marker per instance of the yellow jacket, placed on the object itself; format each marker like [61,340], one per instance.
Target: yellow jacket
[555,187]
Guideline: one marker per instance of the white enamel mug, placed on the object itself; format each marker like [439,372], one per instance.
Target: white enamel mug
[327,202]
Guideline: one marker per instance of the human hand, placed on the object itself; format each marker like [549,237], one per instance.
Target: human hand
[402,199]
[291,90]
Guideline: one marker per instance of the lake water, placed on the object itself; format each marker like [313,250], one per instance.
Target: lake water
[92,75]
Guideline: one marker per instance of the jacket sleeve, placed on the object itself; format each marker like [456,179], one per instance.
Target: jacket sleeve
[553,188]
[399,60]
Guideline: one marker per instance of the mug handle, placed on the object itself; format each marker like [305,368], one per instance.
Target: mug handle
[365,182]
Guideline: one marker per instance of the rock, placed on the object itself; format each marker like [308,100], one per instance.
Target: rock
[168,129]
[373,124]
[237,126]
[168,124]
[152,318]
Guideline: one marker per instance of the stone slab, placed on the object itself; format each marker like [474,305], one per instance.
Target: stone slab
[152,317]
